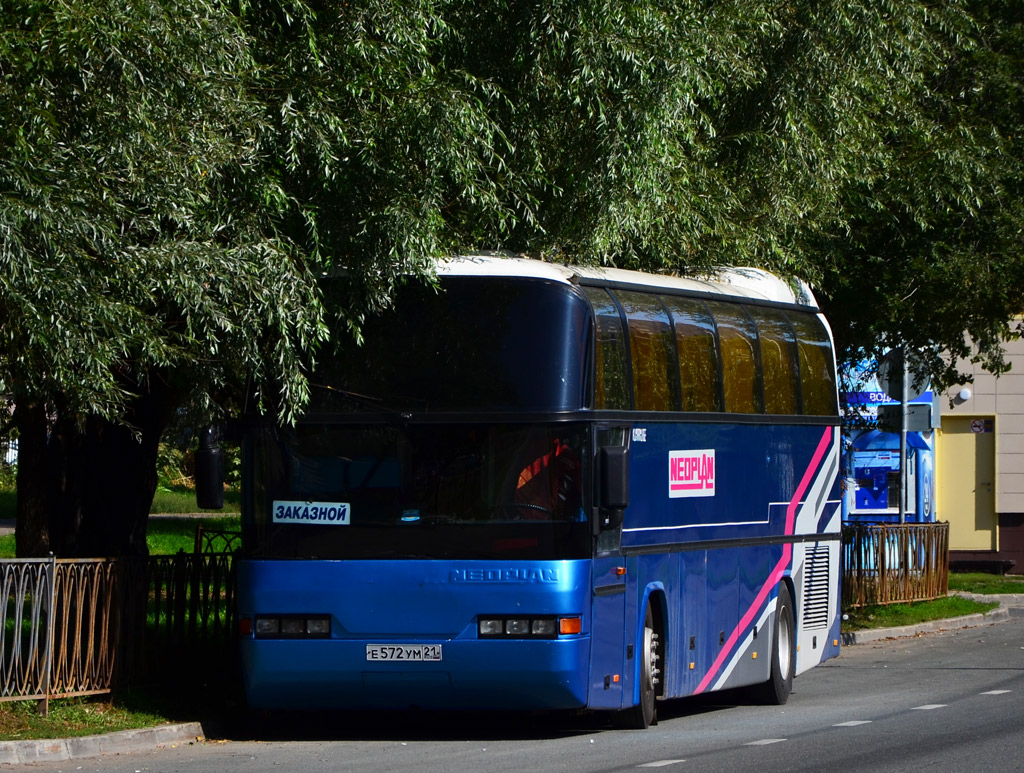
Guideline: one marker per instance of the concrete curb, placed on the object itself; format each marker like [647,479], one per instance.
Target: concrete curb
[122,742]
[1010,606]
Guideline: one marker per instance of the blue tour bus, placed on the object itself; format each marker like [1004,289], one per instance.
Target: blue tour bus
[550,487]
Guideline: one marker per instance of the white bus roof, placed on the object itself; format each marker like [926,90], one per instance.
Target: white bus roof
[752,283]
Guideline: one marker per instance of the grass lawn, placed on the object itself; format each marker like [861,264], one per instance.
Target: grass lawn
[980,582]
[178,499]
[164,536]
[73,717]
[891,615]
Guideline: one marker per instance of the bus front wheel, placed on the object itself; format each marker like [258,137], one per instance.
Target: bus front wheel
[775,692]
[645,713]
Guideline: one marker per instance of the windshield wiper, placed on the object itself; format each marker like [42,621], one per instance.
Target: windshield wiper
[365,400]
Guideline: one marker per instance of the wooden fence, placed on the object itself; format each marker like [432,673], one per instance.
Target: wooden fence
[892,563]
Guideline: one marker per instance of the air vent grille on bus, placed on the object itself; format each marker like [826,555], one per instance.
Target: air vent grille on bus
[816,588]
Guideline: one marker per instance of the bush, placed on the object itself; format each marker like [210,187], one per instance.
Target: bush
[176,467]
[8,477]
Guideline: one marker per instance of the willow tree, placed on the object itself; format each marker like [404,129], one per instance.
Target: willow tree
[872,149]
[174,175]
[930,255]
[132,272]
[866,148]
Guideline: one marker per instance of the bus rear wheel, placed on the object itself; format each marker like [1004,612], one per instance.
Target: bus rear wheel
[645,713]
[775,692]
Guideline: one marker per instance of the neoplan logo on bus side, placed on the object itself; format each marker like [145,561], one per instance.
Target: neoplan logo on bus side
[691,473]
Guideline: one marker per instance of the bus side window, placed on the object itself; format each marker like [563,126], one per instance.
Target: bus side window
[610,388]
[817,371]
[737,335]
[698,358]
[652,350]
[778,360]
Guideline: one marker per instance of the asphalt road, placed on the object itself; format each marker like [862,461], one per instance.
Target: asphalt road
[941,701]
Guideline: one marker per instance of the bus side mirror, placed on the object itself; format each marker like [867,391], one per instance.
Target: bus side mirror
[210,470]
[614,477]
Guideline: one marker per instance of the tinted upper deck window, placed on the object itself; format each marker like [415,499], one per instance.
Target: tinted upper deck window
[740,372]
[652,351]
[611,390]
[778,360]
[698,355]
[817,369]
[477,344]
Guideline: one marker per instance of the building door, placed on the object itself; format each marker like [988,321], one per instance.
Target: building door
[966,482]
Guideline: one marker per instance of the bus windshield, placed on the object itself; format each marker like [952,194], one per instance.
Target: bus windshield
[406,490]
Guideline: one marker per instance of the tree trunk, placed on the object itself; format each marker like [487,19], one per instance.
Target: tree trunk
[122,474]
[85,488]
[32,530]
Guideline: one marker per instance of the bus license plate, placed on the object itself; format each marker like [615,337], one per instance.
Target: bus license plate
[408,652]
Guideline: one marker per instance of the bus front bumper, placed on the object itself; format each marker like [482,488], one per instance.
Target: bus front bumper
[477,674]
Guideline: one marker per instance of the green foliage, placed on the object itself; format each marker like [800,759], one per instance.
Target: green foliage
[389,154]
[175,175]
[932,247]
[171,184]
[8,491]
[128,139]
[871,150]
[176,468]
[177,500]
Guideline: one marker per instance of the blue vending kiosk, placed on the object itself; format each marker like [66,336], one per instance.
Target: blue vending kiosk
[871,475]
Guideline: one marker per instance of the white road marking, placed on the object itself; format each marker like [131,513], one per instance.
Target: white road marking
[765,742]
[929,707]
[853,723]
[996,692]
[660,763]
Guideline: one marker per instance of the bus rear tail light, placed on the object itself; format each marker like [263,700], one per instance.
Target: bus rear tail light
[546,627]
[292,627]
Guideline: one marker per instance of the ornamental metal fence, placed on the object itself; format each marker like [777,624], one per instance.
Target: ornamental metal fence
[87,626]
[8,451]
[894,563]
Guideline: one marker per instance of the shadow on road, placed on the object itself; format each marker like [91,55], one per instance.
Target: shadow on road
[241,724]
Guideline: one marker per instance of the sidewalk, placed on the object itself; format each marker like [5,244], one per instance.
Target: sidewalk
[122,742]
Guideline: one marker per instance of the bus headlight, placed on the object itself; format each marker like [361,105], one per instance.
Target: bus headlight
[491,627]
[545,627]
[292,627]
[267,626]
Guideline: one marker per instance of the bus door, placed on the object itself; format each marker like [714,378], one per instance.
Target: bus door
[608,610]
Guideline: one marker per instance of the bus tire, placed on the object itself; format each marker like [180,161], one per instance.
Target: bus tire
[645,713]
[775,692]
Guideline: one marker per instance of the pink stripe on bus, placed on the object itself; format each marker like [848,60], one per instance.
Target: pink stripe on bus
[776,574]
